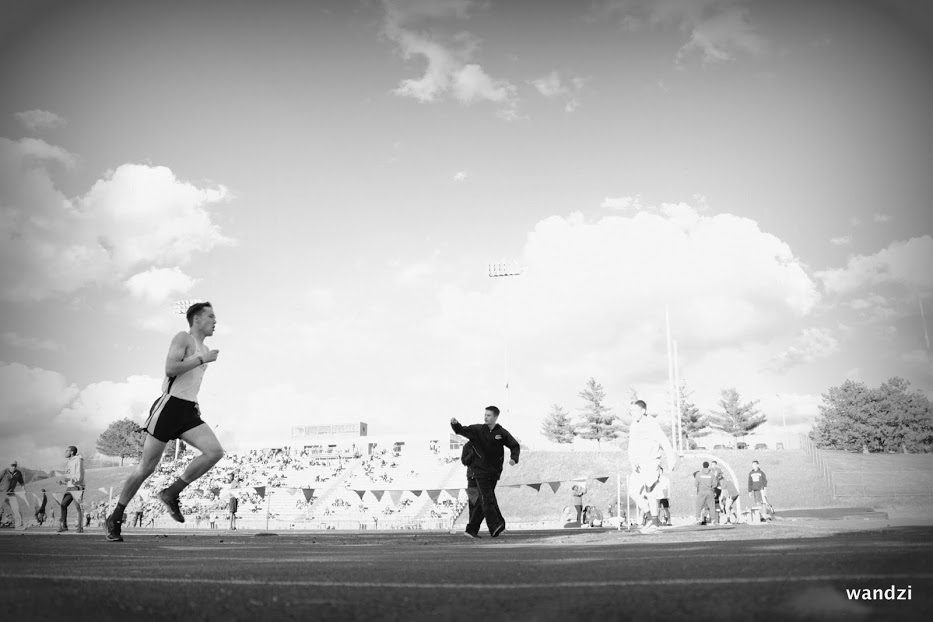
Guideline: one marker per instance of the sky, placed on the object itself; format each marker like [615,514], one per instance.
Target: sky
[336,177]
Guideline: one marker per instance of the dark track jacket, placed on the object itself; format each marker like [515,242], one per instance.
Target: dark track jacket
[489,447]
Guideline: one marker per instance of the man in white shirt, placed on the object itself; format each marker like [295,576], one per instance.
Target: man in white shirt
[74,489]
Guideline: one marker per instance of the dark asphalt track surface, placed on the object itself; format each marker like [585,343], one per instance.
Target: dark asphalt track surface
[749,573]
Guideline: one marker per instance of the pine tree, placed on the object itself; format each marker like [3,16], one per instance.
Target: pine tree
[557,426]
[735,418]
[693,424]
[598,423]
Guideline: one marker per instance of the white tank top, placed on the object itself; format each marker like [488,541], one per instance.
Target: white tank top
[185,386]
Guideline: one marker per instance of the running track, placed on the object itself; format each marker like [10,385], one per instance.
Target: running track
[726,574]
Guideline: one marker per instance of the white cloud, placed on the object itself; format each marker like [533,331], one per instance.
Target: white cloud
[36,149]
[39,119]
[842,240]
[721,37]
[460,176]
[810,345]
[16,340]
[449,68]
[322,301]
[552,86]
[874,307]
[718,30]
[41,412]
[882,218]
[594,292]
[136,217]
[906,264]
[622,203]
[414,274]
[157,284]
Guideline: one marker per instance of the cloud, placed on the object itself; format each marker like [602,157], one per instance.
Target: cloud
[551,86]
[881,218]
[622,203]
[874,307]
[414,274]
[842,240]
[810,345]
[39,119]
[157,284]
[460,176]
[602,286]
[41,412]
[35,149]
[137,216]
[905,264]
[16,340]
[449,68]
[717,30]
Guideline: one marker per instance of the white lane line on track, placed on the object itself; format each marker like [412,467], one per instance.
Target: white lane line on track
[471,586]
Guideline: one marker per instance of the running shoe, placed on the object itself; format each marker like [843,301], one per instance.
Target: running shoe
[62,527]
[172,504]
[470,534]
[498,530]
[649,528]
[79,530]
[113,530]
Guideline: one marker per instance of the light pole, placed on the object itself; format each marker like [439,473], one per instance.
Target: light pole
[500,270]
[783,419]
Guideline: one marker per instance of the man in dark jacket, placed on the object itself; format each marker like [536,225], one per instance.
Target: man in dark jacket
[704,480]
[489,440]
[467,458]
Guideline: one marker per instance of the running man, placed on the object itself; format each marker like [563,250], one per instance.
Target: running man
[74,489]
[176,415]
[645,443]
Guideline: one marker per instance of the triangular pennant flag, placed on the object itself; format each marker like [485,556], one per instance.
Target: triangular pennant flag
[378,494]
[360,493]
[21,495]
[453,492]
[602,480]
[434,494]
[537,487]
[290,491]
[554,486]
[57,496]
[417,493]
[395,495]
[216,491]
[103,490]
[308,493]
[260,490]
[512,486]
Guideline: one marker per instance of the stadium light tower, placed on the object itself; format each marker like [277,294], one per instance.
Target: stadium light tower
[500,270]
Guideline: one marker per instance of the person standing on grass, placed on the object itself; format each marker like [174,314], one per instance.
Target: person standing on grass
[576,495]
[176,415]
[489,442]
[664,498]
[729,496]
[704,488]
[758,489]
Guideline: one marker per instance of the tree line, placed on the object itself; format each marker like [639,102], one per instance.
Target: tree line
[595,420]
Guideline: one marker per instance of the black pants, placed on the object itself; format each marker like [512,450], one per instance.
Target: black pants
[475,507]
[489,504]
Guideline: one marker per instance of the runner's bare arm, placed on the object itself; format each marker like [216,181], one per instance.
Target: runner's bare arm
[175,364]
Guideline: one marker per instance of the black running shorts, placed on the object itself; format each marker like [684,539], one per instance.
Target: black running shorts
[171,416]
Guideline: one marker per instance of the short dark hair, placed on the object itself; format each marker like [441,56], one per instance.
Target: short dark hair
[754,462]
[493,410]
[73,449]
[714,462]
[641,404]
[705,465]
[194,309]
